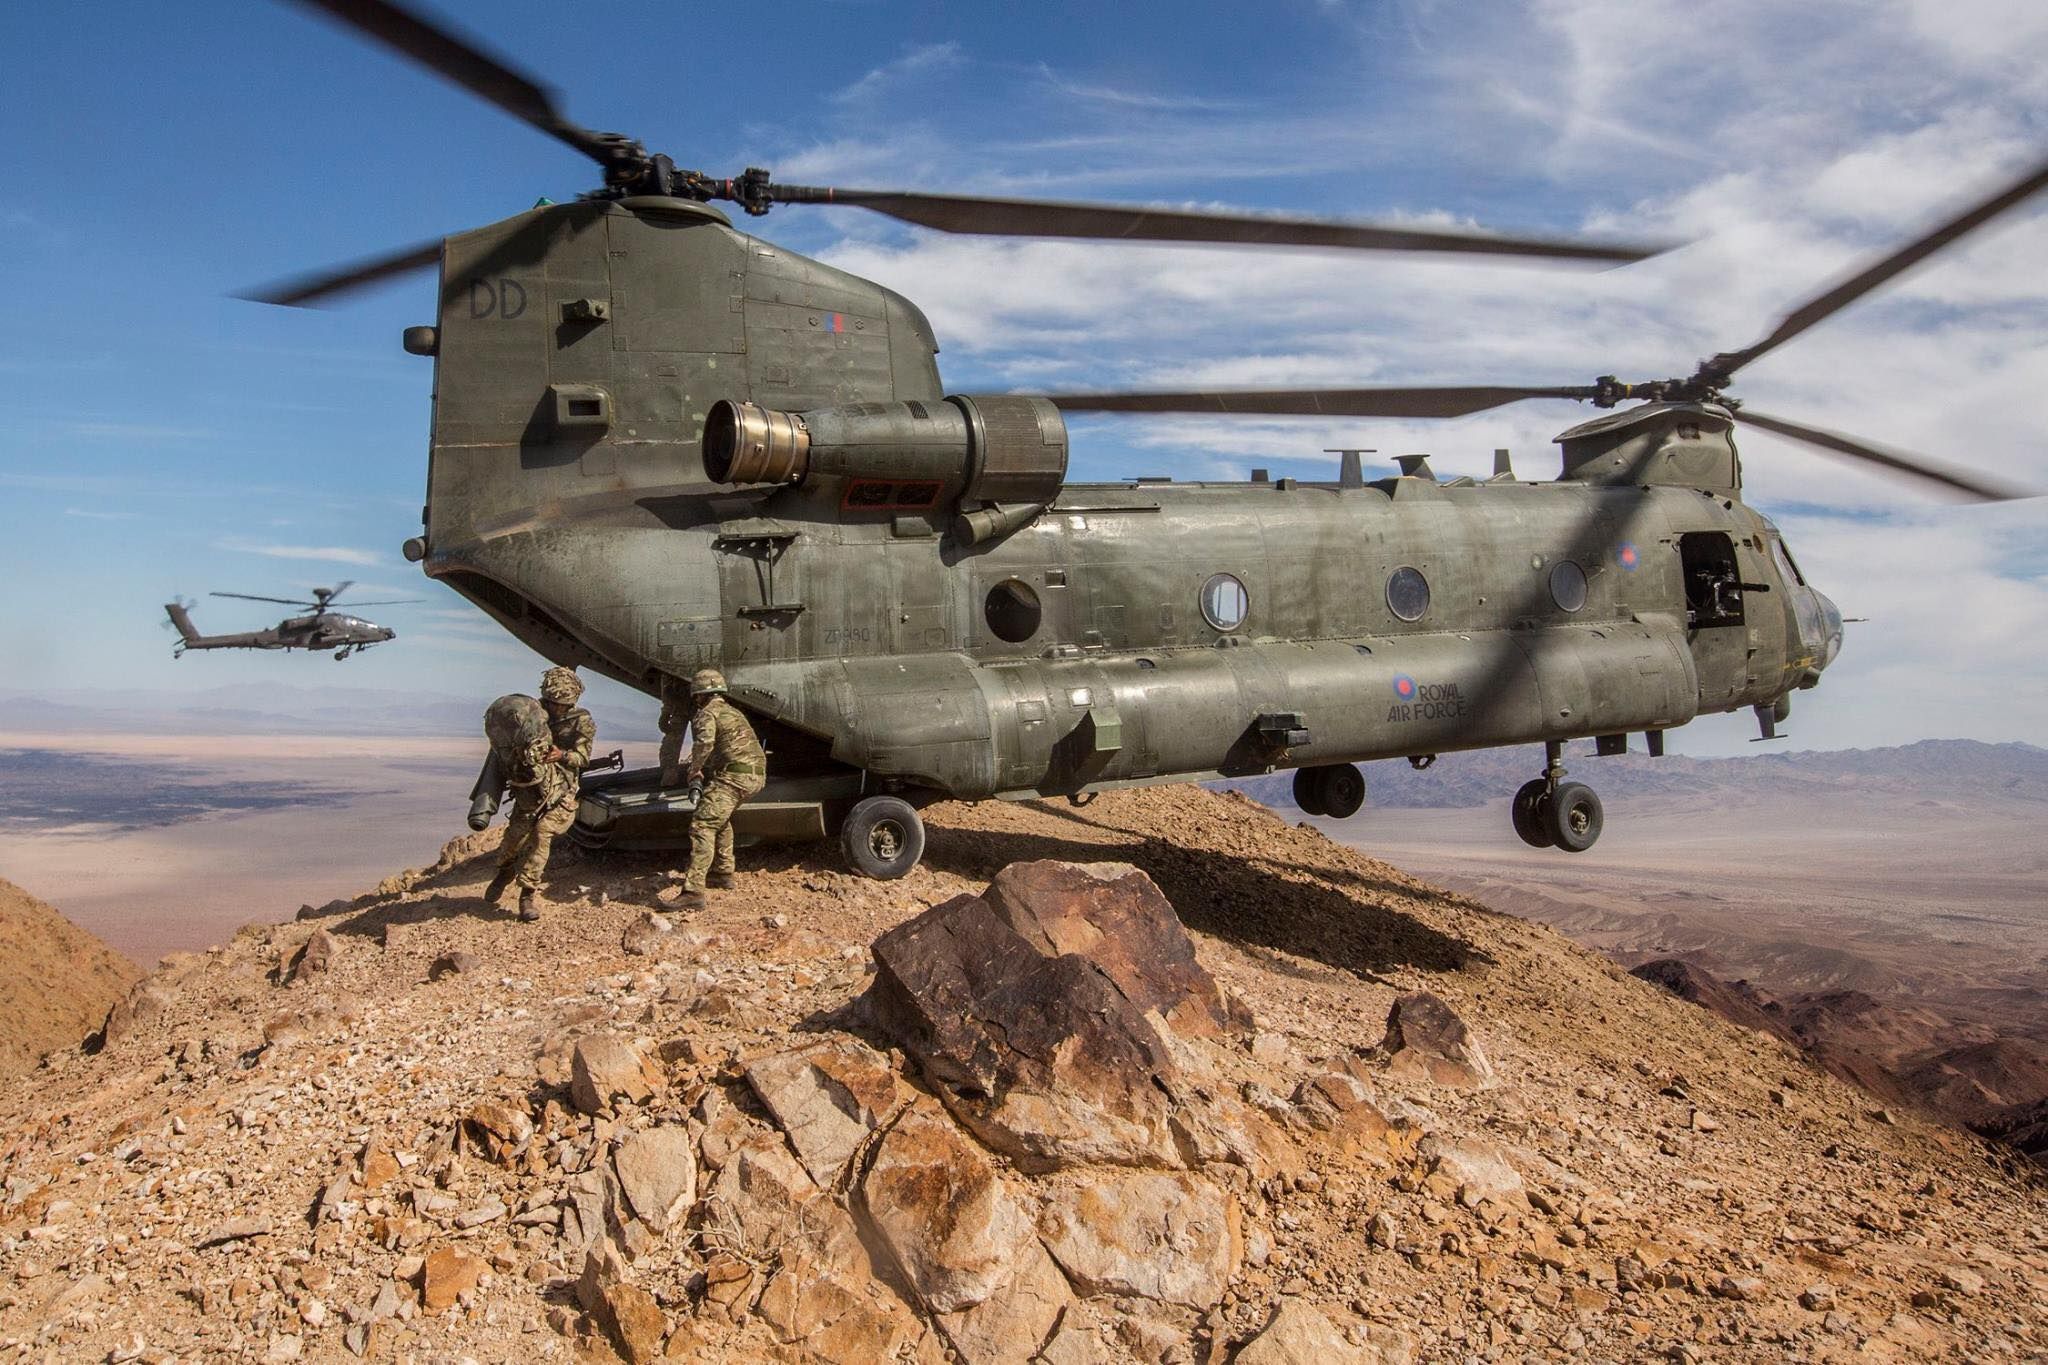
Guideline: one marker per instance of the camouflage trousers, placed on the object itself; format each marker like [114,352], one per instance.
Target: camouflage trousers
[530,837]
[711,827]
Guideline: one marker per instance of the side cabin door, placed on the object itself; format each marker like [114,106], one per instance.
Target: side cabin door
[1716,619]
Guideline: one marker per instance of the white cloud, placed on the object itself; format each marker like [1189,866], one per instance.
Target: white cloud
[328,554]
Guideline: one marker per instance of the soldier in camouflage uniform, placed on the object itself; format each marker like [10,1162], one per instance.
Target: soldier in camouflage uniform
[675,723]
[727,765]
[544,785]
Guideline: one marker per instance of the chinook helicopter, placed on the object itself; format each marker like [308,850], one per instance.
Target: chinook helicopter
[341,631]
[660,443]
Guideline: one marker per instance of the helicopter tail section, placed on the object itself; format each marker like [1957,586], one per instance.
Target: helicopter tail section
[187,632]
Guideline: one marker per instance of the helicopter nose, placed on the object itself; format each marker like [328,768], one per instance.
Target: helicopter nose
[1831,617]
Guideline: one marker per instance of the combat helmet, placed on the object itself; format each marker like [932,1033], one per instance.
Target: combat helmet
[707,681]
[561,685]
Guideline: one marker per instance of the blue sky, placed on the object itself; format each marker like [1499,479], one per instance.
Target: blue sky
[163,437]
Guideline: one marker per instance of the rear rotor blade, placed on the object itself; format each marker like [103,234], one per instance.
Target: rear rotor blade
[465,63]
[1381,402]
[251,597]
[1122,222]
[1875,274]
[303,290]
[1898,461]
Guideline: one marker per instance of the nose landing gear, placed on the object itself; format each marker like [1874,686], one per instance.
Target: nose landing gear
[1550,812]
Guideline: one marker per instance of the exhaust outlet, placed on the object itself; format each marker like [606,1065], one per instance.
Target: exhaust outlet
[747,443]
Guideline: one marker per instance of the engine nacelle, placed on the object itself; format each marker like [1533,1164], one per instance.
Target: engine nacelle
[964,451]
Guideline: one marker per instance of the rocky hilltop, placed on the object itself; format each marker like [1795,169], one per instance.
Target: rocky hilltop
[56,980]
[1163,1078]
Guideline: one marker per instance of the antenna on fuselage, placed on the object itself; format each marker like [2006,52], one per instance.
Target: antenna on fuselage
[1350,469]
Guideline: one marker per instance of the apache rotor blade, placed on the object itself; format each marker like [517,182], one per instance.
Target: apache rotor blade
[251,597]
[465,63]
[1897,461]
[1122,222]
[386,602]
[1875,274]
[307,289]
[1383,402]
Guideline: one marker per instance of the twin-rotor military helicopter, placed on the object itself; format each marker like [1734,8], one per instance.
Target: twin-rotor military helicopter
[660,444]
[320,627]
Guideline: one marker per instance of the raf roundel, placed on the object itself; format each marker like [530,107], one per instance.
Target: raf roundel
[1625,555]
[1404,687]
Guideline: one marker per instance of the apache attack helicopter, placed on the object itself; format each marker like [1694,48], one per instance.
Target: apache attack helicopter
[660,443]
[339,631]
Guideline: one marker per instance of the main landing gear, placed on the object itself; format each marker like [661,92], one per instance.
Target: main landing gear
[1335,789]
[1550,811]
[883,837]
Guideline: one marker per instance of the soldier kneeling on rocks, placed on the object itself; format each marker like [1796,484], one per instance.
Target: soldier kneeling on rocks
[544,784]
[727,765]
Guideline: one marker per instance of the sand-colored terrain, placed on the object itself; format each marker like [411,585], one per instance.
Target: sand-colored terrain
[147,889]
[404,1153]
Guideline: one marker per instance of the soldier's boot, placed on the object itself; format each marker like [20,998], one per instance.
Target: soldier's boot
[721,881]
[693,900]
[499,884]
[529,905]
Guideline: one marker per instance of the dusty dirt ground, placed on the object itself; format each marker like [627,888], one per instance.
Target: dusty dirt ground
[1696,1191]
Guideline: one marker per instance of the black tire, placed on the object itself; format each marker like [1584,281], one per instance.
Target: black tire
[883,837]
[1529,811]
[1308,791]
[1573,817]
[1342,790]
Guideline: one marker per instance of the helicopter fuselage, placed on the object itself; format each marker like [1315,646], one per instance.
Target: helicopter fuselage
[1107,633]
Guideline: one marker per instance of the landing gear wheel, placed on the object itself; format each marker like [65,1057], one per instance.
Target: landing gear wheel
[1528,811]
[1308,791]
[1343,790]
[883,837]
[1573,817]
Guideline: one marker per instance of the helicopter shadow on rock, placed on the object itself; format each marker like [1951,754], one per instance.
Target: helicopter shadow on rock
[1267,906]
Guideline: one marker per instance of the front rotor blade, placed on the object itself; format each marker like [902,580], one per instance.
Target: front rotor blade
[251,597]
[1120,222]
[385,602]
[1898,262]
[305,290]
[1387,402]
[1898,461]
[463,62]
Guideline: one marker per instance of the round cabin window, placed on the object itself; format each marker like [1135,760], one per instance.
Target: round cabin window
[1568,585]
[1225,603]
[1012,611]
[1408,593]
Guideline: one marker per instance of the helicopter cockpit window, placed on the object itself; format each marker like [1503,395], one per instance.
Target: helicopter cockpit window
[1225,603]
[1568,585]
[1786,565]
[1408,593]
[1012,611]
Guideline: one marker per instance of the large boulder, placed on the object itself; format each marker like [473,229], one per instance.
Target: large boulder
[1427,1041]
[1158,1235]
[658,1175]
[954,1225]
[827,1098]
[1052,1057]
[605,1068]
[1116,917]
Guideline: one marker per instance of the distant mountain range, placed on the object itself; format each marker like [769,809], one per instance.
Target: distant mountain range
[1927,769]
[269,709]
